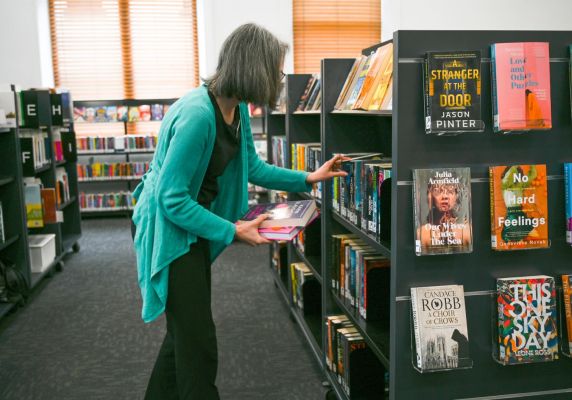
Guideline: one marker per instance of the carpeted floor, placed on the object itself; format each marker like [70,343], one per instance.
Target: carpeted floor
[81,336]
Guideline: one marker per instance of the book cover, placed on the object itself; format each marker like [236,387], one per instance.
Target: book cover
[440,327]
[122,113]
[133,114]
[111,113]
[348,84]
[568,201]
[453,92]
[156,112]
[33,198]
[442,211]
[291,213]
[382,91]
[519,207]
[521,86]
[567,306]
[145,112]
[527,319]
[49,206]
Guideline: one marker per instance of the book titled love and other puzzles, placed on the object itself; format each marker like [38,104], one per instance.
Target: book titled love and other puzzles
[285,220]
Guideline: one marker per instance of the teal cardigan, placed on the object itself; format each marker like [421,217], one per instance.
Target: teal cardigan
[167,216]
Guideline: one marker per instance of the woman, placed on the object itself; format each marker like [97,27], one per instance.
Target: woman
[191,197]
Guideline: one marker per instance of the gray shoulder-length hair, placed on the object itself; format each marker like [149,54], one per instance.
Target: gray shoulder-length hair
[249,66]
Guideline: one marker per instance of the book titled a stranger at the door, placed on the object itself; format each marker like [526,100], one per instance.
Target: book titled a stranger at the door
[519,207]
[442,208]
[520,74]
[453,92]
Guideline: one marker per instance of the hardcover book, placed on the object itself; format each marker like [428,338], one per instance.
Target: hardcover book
[568,200]
[291,213]
[567,306]
[453,92]
[527,317]
[442,211]
[519,207]
[440,327]
[521,86]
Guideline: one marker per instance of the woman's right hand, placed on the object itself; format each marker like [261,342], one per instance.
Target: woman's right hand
[247,231]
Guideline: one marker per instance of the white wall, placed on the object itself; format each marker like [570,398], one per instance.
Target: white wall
[221,17]
[25,43]
[475,15]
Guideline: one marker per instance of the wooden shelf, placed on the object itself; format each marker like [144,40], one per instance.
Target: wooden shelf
[376,334]
[383,247]
[377,113]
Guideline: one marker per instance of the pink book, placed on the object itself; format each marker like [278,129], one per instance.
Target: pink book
[521,86]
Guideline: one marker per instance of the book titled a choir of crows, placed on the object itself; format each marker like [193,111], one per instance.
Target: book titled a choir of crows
[453,92]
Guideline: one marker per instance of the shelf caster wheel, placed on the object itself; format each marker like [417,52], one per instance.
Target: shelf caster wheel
[52,272]
[60,266]
[75,247]
[330,395]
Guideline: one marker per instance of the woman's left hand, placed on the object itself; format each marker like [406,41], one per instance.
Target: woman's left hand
[328,170]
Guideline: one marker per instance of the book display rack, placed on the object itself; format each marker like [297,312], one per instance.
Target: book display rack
[400,135]
[38,110]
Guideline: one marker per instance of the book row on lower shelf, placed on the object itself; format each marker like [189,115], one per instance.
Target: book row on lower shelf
[120,113]
[112,144]
[532,320]
[111,171]
[106,201]
[353,363]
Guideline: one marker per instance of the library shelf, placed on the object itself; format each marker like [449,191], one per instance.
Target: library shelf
[43,168]
[383,247]
[313,262]
[4,180]
[61,163]
[67,203]
[375,333]
[281,288]
[333,380]
[113,153]
[311,112]
[115,179]
[8,242]
[308,196]
[311,326]
[360,113]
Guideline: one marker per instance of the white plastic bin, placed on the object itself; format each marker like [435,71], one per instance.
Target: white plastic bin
[42,251]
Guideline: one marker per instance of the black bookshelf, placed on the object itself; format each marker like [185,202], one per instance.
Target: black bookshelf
[50,112]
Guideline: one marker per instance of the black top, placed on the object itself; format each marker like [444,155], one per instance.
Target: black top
[224,150]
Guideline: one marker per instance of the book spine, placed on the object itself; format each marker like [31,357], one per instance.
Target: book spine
[415,317]
[567,188]
[496,121]
[427,97]
[567,298]
[494,243]
[416,216]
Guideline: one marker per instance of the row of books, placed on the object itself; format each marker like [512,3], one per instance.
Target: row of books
[308,157]
[520,89]
[112,144]
[311,98]
[106,201]
[518,208]
[110,171]
[369,83]
[42,203]
[346,347]
[527,316]
[279,151]
[363,197]
[300,273]
[120,113]
[360,276]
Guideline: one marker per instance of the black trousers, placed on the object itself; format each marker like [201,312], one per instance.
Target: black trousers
[187,363]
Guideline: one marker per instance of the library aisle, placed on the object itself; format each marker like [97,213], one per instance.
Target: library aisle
[81,337]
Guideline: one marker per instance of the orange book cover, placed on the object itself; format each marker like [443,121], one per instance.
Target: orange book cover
[519,207]
[371,79]
[49,205]
[382,90]
[521,86]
